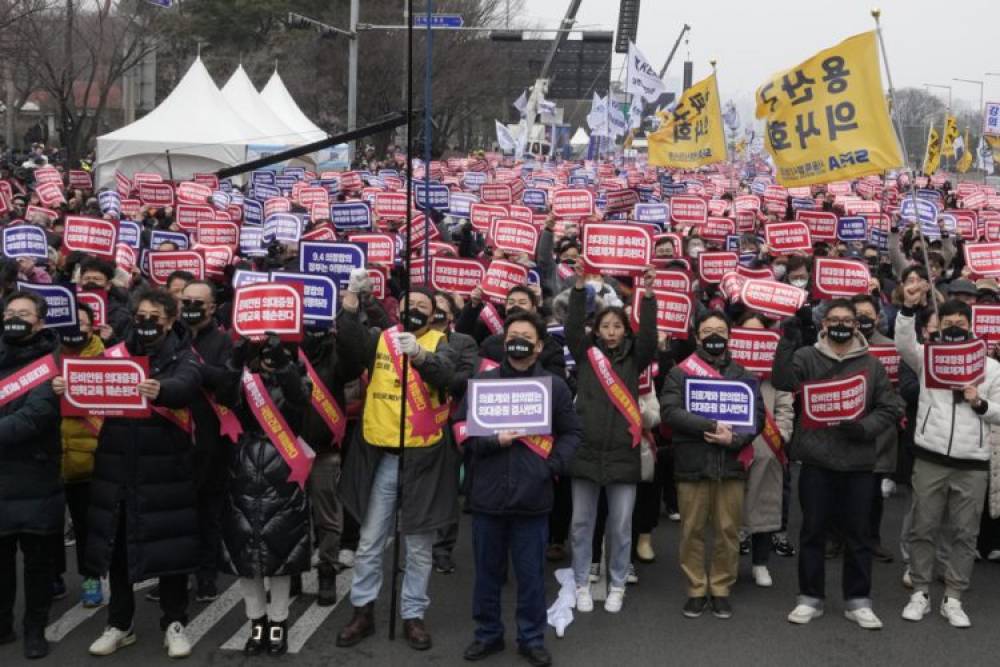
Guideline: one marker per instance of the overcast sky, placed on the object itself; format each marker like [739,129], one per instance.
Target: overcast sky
[927,42]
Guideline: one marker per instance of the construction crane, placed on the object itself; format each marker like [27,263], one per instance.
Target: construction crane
[542,82]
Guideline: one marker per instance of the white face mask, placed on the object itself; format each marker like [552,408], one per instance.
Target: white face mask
[779,271]
[695,250]
[799,282]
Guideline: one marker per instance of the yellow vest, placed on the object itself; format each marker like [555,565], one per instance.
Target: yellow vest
[380,419]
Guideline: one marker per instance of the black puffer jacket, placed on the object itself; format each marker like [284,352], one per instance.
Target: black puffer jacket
[695,459]
[265,529]
[146,464]
[606,455]
[31,493]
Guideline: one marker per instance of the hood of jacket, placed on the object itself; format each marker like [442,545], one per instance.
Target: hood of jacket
[859,347]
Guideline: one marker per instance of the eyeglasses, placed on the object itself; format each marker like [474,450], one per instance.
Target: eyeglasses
[22,314]
[834,321]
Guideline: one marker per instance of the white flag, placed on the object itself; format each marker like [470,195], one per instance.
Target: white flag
[635,115]
[597,119]
[522,140]
[521,104]
[546,107]
[505,138]
[642,79]
[616,119]
[984,156]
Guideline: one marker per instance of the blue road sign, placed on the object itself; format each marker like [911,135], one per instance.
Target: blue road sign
[439,21]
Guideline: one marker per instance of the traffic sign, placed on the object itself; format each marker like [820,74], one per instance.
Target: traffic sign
[439,21]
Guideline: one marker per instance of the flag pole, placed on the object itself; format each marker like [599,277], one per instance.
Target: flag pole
[407,263]
[876,14]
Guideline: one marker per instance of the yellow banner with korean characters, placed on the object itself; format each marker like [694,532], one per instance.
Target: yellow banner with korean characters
[932,157]
[950,134]
[827,118]
[693,134]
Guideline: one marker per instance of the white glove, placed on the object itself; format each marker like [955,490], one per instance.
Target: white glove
[408,343]
[359,282]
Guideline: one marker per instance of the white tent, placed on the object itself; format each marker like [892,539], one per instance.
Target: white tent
[196,124]
[283,105]
[247,102]
[580,138]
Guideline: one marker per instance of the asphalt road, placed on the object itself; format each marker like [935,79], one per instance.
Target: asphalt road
[649,630]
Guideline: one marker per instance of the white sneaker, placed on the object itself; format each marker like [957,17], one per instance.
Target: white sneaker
[952,610]
[595,572]
[176,642]
[918,607]
[864,617]
[888,487]
[761,576]
[907,580]
[803,613]
[993,556]
[674,516]
[632,577]
[345,557]
[111,640]
[584,602]
[616,597]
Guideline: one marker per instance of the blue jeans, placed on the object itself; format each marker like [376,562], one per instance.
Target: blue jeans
[377,525]
[617,530]
[525,539]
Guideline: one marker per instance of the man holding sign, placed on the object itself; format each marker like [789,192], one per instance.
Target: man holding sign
[511,494]
[951,448]
[847,400]
[31,493]
[715,409]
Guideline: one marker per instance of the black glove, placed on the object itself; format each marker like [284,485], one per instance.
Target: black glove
[243,353]
[852,430]
[791,329]
[275,354]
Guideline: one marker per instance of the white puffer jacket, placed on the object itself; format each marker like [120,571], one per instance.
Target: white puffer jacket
[945,427]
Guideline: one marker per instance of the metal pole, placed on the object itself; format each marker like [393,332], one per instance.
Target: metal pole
[981,85]
[428,136]
[352,77]
[407,264]
[876,13]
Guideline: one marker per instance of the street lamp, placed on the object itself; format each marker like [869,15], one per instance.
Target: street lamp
[938,85]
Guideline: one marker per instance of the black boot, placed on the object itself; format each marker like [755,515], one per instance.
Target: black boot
[258,636]
[277,638]
[296,587]
[327,585]
[35,644]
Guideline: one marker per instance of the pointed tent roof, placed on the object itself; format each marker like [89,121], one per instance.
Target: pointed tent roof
[195,123]
[283,105]
[580,138]
[244,98]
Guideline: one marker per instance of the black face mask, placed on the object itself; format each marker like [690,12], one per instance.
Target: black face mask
[866,326]
[954,334]
[73,338]
[439,317]
[15,329]
[91,287]
[714,344]
[193,314]
[518,348]
[415,320]
[840,333]
[147,330]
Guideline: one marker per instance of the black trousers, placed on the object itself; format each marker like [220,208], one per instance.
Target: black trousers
[210,505]
[562,511]
[39,569]
[843,501]
[77,501]
[121,606]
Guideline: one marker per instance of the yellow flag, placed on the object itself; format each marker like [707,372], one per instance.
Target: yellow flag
[827,118]
[693,134]
[950,134]
[965,161]
[932,158]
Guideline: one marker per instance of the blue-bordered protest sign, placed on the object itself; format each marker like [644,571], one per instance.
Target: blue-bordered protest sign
[911,209]
[160,236]
[434,196]
[852,228]
[319,294]
[252,242]
[60,302]
[253,212]
[723,401]
[243,277]
[335,260]
[262,177]
[130,233]
[658,214]
[286,227]
[510,404]
[351,215]
[25,241]
[535,198]
[110,202]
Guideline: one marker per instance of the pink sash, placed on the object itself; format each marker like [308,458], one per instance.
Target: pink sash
[324,403]
[617,392]
[34,374]
[295,452]
[539,444]
[491,318]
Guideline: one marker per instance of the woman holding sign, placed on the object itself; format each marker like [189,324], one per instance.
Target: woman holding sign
[712,422]
[609,361]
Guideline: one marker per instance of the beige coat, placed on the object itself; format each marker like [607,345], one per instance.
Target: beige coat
[762,503]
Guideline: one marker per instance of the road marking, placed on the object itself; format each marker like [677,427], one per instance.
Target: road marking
[78,614]
[315,615]
[213,613]
[310,585]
